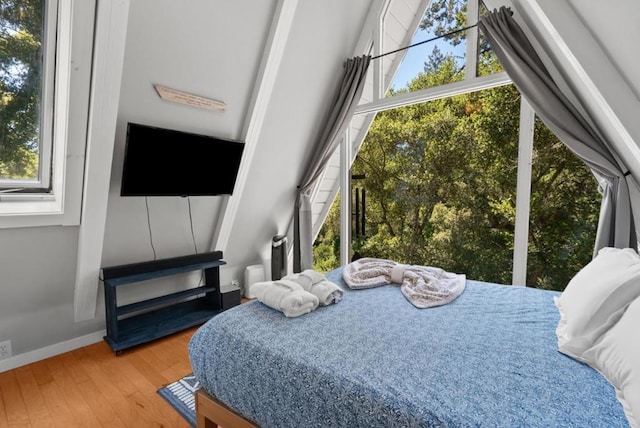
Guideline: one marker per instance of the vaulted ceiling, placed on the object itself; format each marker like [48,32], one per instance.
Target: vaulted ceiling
[276,68]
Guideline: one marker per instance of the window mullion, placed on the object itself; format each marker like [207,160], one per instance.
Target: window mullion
[345,198]
[47,110]
[378,72]
[435,93]
[471,54]
[523,193]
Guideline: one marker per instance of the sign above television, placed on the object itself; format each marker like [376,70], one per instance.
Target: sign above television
[186,98]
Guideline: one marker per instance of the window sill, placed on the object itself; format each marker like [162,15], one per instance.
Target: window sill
[33,210]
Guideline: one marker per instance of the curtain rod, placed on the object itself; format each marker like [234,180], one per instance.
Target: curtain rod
[425,41]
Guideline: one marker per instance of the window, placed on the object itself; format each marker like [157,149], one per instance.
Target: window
[458,173]
[27,34]
[43,109]
[439,41]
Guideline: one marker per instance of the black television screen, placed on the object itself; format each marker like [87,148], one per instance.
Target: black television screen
[164,162]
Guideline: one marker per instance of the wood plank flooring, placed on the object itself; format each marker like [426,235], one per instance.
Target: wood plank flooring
[92,387]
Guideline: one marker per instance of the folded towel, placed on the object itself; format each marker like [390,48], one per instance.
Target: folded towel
[317,284]
[423,286]
[427,286]
[369,272]
[285,296]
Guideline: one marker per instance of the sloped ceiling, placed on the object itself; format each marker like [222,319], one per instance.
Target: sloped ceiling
[214,49]
[621,16]
[209,48]
[323,35]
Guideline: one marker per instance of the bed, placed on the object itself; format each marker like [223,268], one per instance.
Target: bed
[489,358]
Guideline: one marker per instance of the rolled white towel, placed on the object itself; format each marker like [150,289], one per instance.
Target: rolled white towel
[317,284]
[327,292]
[312,276]
[285,296]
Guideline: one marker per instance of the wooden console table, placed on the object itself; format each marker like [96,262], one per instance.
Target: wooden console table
[150,319]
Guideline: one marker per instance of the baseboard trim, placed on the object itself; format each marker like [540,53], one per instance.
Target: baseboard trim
[50,351]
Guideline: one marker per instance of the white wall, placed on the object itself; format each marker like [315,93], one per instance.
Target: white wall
[614,26]
[225,48]
[37,272]
[222,64]
[314,57]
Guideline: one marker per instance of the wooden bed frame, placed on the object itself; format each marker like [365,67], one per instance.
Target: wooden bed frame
[211,413]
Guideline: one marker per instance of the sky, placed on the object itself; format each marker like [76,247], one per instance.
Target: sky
[416,56]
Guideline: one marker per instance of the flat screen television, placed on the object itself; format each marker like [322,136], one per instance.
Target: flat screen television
[164,162]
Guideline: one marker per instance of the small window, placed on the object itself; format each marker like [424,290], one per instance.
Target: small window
[43,109]
[27,58]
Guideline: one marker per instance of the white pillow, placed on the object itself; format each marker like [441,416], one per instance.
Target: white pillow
[595,299]
[617,357]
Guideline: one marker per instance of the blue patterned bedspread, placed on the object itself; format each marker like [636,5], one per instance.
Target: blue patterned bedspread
[488,359]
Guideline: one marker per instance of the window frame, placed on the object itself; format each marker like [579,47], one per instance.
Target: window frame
[471,83]
[68,41]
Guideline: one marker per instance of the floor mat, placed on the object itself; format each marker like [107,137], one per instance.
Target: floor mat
[180,395]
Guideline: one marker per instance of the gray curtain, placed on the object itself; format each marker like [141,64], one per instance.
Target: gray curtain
[342,108]
[577,131]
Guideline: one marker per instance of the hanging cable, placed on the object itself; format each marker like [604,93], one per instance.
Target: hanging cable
[193,237]
[426,41]
[146,202]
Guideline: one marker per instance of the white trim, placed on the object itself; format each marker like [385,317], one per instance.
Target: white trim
[50,351]
[430,94]
[83,25]
[111,28]
[345,198]
[523,193]
[378,48]
[365,42]
[60,113]
[266,78]
[26,197]
[471,52]
[52,50]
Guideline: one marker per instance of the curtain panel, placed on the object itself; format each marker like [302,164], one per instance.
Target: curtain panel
[577,131]
[343,105]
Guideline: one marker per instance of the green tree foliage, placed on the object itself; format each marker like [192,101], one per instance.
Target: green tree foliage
[448,19]
[446,16]
[565,207]
[20,86]
[441,189]
[326,250]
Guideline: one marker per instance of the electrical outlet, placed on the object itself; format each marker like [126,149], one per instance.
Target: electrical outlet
[5,349]
[235,283]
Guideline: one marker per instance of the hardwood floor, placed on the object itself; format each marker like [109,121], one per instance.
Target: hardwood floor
[92,387]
